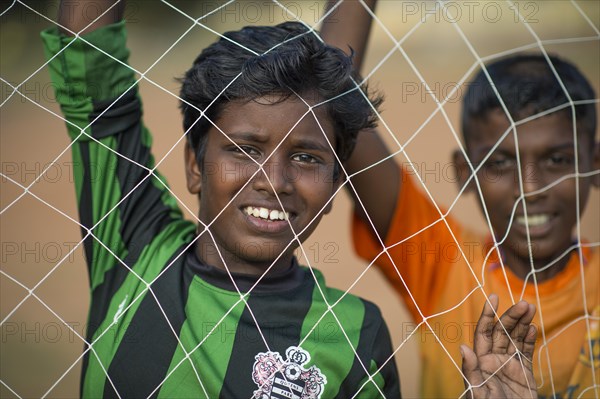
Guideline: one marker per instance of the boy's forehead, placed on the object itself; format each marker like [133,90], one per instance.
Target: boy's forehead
[537,134]
[266,115]
[491,127]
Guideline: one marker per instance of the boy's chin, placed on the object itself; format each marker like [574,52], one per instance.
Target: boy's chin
[265,255]
[542,251]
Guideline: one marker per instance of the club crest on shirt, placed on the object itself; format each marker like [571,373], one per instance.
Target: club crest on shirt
[277,378]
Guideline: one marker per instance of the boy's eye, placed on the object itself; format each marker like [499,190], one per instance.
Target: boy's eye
[245,150]
[499,163]
[560,160]
[305,158]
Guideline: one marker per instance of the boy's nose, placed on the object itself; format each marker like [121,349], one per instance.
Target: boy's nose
[275,177]
[533,181]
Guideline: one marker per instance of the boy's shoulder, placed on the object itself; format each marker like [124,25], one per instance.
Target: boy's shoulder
[344,302]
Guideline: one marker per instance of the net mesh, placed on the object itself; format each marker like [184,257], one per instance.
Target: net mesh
[425,76]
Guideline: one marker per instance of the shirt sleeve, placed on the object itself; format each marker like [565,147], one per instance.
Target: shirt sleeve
[122,204]
[418,251]
[382,369]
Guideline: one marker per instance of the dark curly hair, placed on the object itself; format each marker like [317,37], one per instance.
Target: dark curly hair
[528,86]
[292,59]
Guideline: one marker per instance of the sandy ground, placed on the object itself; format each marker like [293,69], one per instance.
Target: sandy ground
[38,350]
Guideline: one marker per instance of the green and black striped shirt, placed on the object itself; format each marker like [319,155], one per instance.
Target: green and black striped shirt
[162,323]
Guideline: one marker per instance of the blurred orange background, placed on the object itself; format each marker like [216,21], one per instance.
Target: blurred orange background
[39,353]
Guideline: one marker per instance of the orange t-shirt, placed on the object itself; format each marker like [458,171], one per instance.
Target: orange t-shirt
[443,273]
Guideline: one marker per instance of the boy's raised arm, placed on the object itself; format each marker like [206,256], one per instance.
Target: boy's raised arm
[378,187]
[85,16]
[347,27]
[123,208]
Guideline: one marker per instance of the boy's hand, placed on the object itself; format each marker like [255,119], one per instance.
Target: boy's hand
[499,368]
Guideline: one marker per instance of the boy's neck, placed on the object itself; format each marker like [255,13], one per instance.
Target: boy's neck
[521,266]
[238,263]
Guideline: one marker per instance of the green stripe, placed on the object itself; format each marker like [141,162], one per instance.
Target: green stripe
[152,260]
[377,378]
[327,345]
[106,194]
[68,74]
[370,389]
[75,107]
[166,197]
[205,306]
[106,78]
[81,73]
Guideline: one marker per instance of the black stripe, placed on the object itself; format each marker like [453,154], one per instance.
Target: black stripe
[289,279]
[144,354]
[86,219]
[274,321]
[373,344]
[381,351]
[85,202]
[120,117]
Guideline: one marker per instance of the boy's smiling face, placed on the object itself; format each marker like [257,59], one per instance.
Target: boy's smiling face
[546,155]
[248,224]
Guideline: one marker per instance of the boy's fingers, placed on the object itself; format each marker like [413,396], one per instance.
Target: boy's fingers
[510,327]
[485,327]
[520,333]
[529,342]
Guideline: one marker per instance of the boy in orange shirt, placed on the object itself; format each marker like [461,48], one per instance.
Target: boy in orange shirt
[533,178]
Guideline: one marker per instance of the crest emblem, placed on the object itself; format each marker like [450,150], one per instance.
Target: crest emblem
[277,378]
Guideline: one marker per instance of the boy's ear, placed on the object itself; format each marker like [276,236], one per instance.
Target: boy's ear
[193,174]
[462,170]
[596,164]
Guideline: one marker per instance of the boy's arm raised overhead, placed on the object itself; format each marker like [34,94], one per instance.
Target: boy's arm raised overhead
[123,208]
[347,27]
[396,210]
[131,225]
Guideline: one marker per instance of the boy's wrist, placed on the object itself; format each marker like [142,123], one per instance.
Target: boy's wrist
[85,16]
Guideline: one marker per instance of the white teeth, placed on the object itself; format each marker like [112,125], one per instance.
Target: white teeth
[273,215]
[264,213]
[533,220]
